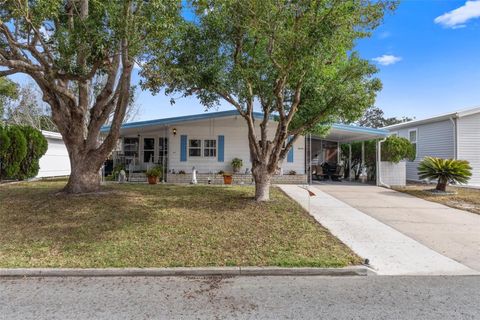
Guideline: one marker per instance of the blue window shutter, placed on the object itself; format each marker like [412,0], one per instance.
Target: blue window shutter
[290,152]
[183,148]
[221,148]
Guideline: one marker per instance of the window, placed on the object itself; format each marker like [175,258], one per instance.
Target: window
[148,149]
[412,136]
[130,147]
[210,148]
[195,148]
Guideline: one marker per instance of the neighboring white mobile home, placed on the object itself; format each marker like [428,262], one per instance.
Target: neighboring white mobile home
[454,135]
[55,162]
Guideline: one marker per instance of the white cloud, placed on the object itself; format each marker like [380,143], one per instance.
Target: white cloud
[387,59]
[457,18]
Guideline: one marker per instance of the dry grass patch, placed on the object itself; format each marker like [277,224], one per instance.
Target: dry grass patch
[464,198]
[160,226]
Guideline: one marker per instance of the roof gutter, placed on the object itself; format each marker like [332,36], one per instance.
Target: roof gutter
[454,120]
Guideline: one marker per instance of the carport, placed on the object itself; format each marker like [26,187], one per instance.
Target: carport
[321,150]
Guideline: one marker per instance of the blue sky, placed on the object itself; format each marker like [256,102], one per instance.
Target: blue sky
[428,54]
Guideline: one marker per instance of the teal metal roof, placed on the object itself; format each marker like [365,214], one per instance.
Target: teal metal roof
[211,115]
[352,128]
[174,120]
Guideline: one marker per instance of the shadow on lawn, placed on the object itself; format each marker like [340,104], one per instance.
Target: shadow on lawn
[40,214]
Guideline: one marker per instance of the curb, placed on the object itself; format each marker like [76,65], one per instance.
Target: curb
[185,272]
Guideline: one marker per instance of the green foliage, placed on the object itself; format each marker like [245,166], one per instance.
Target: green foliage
[156,172]
[17,151]
[374,117]
[4,142]
[271,51]
[21,148]
[236,164]
[370,158]
[396,149]
[96,36]
[8,90]
[445,171]
[116,170]
[37,146]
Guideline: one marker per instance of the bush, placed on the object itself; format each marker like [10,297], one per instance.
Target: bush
[37,146]
[15,153]
[4,142]
[445,171]
[396,149]
[21,148]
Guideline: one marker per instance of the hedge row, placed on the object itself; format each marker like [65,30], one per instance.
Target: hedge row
[21,148]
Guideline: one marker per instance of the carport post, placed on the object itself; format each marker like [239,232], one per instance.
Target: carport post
[363,154]
[350,161]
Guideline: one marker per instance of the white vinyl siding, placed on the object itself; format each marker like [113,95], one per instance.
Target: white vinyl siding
[433,139]
[469,144]
[235,131]
[55,162]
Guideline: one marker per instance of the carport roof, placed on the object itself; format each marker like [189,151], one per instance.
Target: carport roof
[338,132]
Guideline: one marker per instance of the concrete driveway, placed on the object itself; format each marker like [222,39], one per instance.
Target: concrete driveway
[453,233]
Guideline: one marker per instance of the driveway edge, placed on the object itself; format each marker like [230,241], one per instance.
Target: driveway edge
[184,272]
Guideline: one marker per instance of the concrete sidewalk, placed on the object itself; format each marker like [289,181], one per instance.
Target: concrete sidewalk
[451,232]
[390,252]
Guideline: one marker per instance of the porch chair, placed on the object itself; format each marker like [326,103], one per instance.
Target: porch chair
[320,173]
[339,173]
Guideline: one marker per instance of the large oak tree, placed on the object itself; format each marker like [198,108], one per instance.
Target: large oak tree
[81,54]
[293,60]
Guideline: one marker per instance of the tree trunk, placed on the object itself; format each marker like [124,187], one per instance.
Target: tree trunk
[83,180]
[84,176]
[262,183]
[441,185]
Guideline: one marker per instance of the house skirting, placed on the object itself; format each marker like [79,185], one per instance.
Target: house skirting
[202,178]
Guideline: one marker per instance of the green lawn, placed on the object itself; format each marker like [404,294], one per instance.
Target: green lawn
[160,226]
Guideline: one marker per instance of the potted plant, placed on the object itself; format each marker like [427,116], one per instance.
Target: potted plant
[227,178]
[236,164]
[153,174]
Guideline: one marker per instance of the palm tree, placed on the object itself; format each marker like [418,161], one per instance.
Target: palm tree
[444,171]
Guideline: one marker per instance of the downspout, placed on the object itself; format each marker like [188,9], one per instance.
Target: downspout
[379,163]
[455,136]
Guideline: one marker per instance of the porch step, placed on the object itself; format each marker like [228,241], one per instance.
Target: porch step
[137,177]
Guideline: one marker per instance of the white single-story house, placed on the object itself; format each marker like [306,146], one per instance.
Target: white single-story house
[55,162]
[209,141]
[454,135]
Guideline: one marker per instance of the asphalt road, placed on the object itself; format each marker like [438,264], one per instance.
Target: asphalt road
[374,297]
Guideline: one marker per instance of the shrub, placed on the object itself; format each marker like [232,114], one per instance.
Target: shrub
[292,172]
[156,172]
[4,142]
[445,171]
[14,154]
[116,170]
[236,164]
[396,149]
[37,146]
